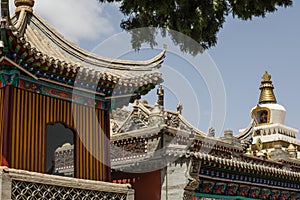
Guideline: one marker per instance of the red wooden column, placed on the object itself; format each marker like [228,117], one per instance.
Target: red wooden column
[7,123]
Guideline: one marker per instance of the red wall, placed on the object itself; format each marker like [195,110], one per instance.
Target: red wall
[147,186]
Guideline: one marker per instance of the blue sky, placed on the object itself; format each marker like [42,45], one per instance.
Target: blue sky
[244,51]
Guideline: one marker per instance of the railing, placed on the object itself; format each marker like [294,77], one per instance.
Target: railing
[20,184]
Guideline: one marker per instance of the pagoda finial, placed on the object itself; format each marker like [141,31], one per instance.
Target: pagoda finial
[266,77]
[266,87]
[24,4]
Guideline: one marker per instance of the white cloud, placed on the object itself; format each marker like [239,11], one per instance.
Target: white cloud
[77,20]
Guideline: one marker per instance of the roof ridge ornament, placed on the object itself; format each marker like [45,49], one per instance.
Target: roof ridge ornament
[24,4]
[179,108]
[4,10]
[160,94]
[266,87]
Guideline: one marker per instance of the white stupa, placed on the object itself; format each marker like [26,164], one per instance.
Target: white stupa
[267,131]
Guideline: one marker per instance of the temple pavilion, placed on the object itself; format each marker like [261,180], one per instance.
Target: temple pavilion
[47,80]
[158,149]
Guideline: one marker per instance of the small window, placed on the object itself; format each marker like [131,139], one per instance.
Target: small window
[261,115]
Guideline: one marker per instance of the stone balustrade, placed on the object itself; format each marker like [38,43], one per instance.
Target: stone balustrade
[20,184]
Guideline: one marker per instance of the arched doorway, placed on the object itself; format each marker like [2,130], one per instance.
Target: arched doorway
[60,155]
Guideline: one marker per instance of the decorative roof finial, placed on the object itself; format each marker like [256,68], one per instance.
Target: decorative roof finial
[266,87]
[4,10]
[211,132]
[24,4]
[165,46]
[160,94]
[179,108]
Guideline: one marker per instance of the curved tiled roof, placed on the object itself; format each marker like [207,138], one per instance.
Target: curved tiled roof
[36,34]
[244,165]
[40,44]
[134,124]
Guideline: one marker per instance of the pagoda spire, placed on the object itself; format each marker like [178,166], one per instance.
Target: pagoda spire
[24,4]
[266,87]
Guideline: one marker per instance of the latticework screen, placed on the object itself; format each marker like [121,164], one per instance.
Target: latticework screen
[30,190]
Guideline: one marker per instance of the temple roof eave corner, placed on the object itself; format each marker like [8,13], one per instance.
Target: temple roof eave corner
[55,53]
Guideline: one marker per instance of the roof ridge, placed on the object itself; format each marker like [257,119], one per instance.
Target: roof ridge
[80,54]
[196,130]
[88,55]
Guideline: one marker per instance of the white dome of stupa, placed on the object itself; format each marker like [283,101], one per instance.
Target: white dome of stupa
[276,111]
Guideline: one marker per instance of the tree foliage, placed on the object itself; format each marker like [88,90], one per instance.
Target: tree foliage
[198,19]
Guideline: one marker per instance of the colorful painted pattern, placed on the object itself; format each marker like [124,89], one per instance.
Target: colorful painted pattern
[63,93]
[253,178]
[218,189]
